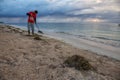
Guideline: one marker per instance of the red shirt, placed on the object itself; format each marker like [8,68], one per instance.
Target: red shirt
[32,17]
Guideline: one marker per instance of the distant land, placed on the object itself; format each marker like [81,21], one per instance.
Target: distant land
[1,22]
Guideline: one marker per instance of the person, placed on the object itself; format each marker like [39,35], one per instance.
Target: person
[31,21]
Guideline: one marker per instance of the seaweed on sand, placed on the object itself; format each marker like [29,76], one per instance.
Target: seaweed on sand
[78,62]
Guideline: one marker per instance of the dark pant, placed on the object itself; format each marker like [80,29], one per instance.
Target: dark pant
[30,28]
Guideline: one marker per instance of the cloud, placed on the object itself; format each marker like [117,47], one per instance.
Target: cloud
[58,19]
[117,2]
[1,0]
[96,20]
[62,9]
[95,10]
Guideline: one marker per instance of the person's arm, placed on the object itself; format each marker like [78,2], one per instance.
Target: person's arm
[35,20]
[35,16]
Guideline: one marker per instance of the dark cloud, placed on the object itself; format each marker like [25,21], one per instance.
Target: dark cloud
[1,1]
[117,2]
[61,8]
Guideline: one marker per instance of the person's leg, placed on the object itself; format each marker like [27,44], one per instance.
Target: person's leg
[32,27]
[28,28]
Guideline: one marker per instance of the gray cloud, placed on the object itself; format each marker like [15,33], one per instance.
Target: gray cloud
[82,9]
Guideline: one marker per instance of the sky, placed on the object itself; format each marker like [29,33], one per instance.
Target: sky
[14,11]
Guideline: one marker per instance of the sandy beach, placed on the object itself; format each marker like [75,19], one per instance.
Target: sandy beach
[24,58]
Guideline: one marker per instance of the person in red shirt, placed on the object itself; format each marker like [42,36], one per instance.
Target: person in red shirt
[31,20]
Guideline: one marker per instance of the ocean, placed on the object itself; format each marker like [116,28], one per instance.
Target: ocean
[103,38]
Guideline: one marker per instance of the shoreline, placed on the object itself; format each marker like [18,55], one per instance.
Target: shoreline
[83,43]
[98,48]
[24,58]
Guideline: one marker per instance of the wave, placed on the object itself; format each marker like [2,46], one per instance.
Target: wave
[106,38]
[97,39]
[67,33]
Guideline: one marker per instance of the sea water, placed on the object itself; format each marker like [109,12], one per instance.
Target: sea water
[100,37]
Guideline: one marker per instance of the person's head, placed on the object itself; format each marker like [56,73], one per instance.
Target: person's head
[36,11]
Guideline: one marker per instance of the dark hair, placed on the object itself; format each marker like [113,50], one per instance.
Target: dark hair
[36,11]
